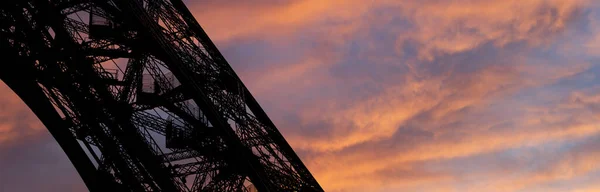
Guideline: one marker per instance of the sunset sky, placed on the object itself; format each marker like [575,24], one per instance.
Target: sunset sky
[391,95]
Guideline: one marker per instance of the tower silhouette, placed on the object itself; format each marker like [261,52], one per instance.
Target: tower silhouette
[140,99]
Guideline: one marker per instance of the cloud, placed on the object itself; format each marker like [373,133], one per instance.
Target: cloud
[435,27]
[28,153]
[37,164]
[371,160]
[588,188]
[591,41]
[438,98]
[227,21]
[16,119]
[553,167]
[402,84]
[410,95]
[456,26]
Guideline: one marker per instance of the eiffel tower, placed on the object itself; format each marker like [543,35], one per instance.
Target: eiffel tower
[140,99]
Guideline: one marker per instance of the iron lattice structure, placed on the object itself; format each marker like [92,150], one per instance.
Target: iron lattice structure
[140,99]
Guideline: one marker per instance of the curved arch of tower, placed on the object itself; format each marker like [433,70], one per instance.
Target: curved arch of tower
[140,99]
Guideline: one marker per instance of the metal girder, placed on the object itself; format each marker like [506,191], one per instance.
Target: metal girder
[191,118]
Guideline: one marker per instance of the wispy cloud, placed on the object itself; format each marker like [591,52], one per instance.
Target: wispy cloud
[16,119]
[413,83]
[462,95]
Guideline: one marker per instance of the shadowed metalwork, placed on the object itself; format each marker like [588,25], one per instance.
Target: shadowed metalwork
[140,99]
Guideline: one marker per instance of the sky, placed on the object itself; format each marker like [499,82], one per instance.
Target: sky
[389,95]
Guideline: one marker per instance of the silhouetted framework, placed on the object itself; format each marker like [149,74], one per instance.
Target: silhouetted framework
[140,99]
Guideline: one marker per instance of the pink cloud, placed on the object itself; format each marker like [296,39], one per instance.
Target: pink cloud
[460,72]
[16,119]
[448,83]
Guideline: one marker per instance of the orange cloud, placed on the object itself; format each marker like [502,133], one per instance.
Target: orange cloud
[368,162]
[226,21]
[348,154]
[438,27]
[442,98]
[588,188]
[578,162]
[290,76]
[16,119]
[381,115]
[359,149]
[457,26]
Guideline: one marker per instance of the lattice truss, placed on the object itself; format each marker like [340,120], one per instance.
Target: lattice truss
[149,98]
